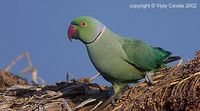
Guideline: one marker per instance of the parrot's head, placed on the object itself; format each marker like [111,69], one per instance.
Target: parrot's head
[85,28]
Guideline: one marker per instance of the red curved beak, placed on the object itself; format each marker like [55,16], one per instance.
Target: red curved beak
[71,32]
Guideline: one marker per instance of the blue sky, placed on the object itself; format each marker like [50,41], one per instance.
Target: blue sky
[40,27]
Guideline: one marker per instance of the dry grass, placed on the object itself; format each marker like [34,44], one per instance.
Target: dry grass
[176,88]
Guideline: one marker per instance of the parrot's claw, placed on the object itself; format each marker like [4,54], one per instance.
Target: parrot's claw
[110,93]
[118,97]
[113,102]
[148,78]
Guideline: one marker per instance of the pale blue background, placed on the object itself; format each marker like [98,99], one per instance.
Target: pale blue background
[40,27]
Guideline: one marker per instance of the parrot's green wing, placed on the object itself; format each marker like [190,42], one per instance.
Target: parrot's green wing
[143,56]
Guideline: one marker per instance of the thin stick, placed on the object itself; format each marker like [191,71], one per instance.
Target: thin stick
[30,68]
[98,74]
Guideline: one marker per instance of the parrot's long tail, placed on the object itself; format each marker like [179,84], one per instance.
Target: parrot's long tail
[172,59]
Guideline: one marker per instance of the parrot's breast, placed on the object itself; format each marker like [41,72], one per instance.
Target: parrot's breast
[107,56]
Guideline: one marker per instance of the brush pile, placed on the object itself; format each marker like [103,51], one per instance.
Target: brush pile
[175,88]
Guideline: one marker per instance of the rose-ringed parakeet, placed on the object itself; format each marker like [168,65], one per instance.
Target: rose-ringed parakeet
[120,60]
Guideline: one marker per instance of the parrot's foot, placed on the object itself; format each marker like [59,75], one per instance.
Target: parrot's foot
[113,102]
[118,97]
[108,101]
[118,89]
[148,78]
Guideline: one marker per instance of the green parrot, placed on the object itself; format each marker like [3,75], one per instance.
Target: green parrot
[120,60]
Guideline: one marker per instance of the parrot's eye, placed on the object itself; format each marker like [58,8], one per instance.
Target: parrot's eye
[82,24]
